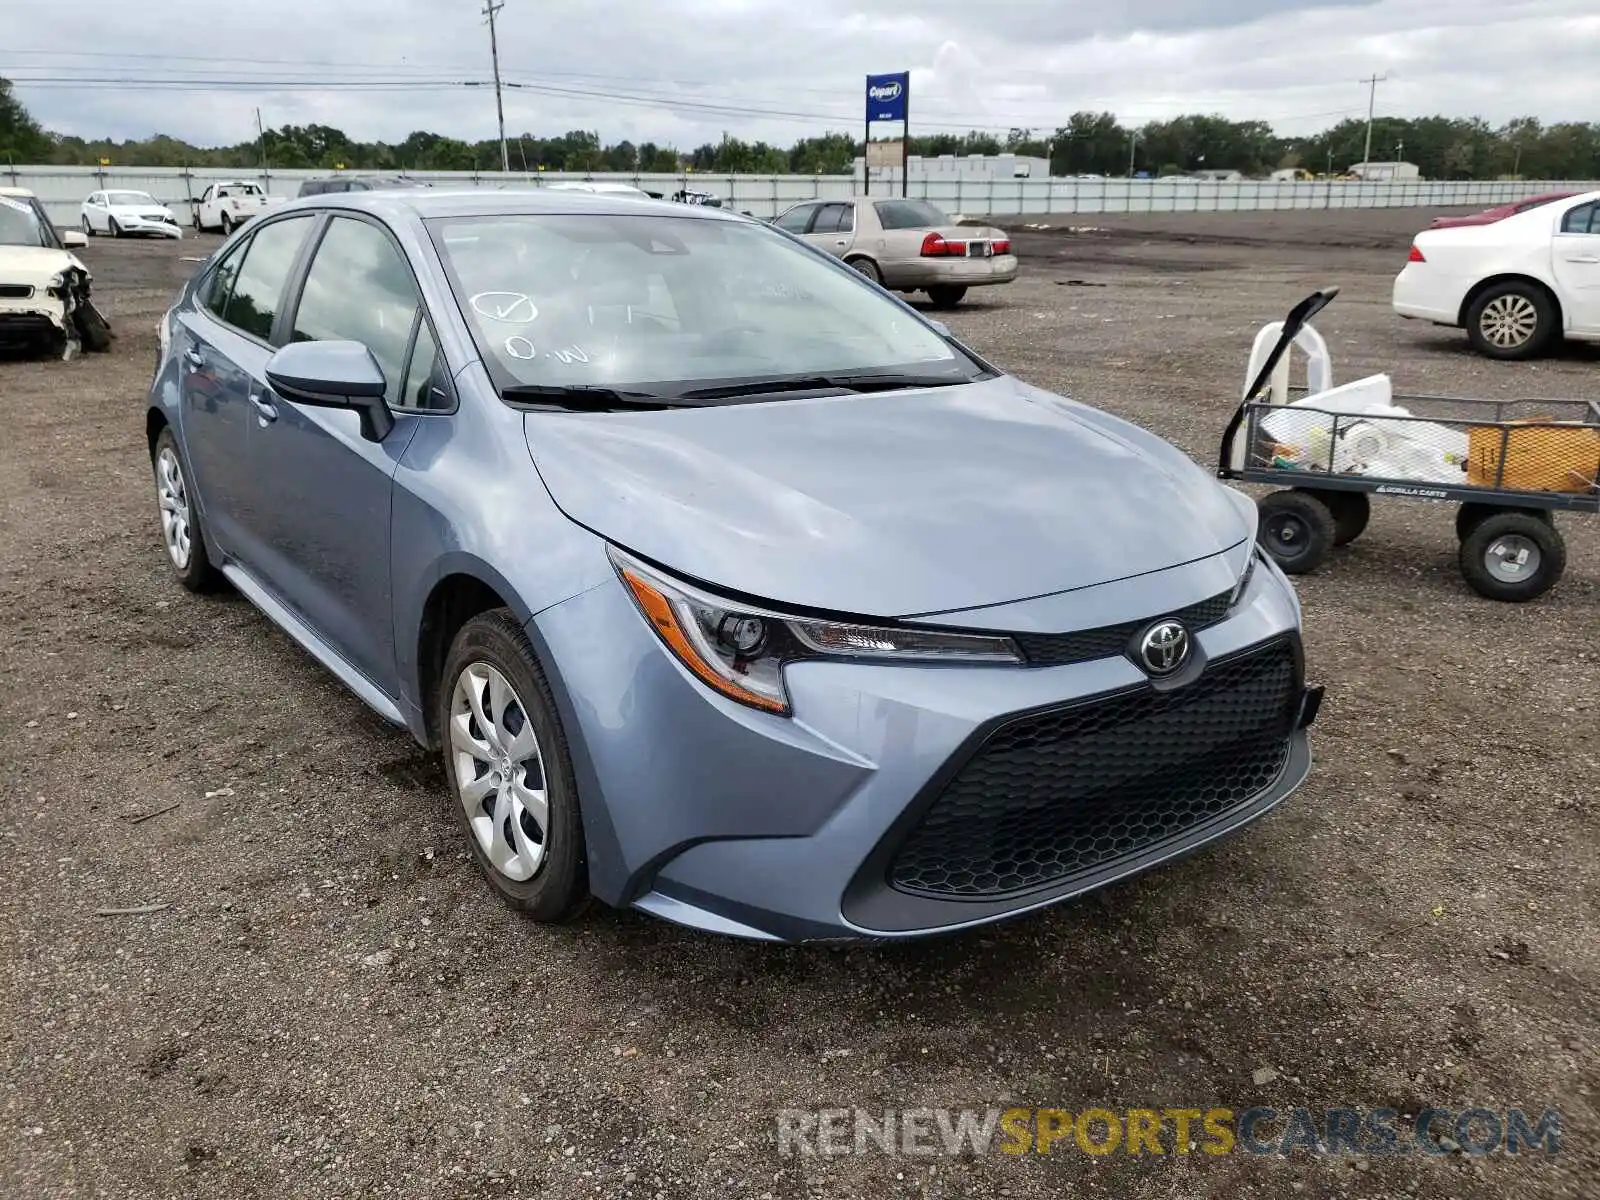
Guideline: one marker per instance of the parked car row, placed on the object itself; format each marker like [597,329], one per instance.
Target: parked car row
[676,539]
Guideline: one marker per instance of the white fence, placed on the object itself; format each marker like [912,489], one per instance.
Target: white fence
[63,189]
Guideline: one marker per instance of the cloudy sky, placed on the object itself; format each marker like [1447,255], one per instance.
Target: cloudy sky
[683,71]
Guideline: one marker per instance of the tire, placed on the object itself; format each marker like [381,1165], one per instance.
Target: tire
[1351,512]
[1511,321]
[1297,530]
[93,331]
[556,887]
[88,228]
[192,567]
[115,229]
[227,225]
[198,228]
[946,297]
[1488,566]
[867,267]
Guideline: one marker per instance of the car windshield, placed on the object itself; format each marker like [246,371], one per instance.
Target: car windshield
[22,224]
[666,303]
[909,214]
[129,199]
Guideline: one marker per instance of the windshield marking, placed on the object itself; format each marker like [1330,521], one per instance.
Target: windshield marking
[516,340]
[512,308]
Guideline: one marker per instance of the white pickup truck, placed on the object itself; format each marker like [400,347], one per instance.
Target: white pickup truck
[229,204]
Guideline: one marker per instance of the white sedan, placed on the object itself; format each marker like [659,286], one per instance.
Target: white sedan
[1515,285]
[120,213]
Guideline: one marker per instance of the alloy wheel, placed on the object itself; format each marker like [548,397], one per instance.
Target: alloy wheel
[499,772]
[173,496]
[1509,321]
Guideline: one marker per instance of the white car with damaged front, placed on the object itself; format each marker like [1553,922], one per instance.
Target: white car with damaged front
[1516,285]
[44,287]
[120,213]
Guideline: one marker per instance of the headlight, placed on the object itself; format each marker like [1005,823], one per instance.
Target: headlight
[1243,586]
[741,651]
[57,282]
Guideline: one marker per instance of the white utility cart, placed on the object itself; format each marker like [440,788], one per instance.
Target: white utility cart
[1509,465]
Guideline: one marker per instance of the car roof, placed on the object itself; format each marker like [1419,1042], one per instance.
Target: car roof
[16,191]
[430,203]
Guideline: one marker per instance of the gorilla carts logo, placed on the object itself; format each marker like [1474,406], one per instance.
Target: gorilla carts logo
[884,91]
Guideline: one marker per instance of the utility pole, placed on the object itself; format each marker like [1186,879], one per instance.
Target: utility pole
[490,8]
[261,135]
[1133,148]
[1372,103]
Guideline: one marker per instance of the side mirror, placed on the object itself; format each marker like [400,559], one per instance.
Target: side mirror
[334,375]
[74,239]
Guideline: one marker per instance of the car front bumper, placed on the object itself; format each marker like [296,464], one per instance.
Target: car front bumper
[950,272]
[28,321]
[828,826]
[169,229]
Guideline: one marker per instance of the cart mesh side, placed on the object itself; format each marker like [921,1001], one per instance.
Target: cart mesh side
[1523,446]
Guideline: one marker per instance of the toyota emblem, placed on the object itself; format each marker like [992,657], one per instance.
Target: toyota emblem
[1164,647]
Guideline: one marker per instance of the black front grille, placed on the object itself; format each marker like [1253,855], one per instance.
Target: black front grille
[1059,649]
[1065,792]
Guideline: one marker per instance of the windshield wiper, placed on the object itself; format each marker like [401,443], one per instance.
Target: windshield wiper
[587,396]
[843,382]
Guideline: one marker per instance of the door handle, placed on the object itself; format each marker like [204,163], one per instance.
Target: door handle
[842,242]
[266,409]
[194,358]
[1582,258]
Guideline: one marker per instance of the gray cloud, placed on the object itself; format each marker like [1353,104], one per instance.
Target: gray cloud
[683,71]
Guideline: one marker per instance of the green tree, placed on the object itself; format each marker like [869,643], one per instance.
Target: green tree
[21,138]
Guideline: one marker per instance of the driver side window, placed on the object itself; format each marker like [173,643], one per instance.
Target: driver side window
[360,289]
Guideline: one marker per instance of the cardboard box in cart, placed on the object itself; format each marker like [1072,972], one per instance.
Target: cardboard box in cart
[1538,457]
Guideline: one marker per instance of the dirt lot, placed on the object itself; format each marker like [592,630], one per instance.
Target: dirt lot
[1418,926]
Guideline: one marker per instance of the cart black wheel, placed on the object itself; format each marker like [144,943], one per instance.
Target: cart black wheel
[1351,512]
[1297,530]
[1513,556]
[1469,516]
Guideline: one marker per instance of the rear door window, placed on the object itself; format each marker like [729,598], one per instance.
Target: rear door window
[258,291]
[796,219]
[834,218]
[1583,219]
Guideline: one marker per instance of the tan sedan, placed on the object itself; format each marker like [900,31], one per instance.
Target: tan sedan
[905,245]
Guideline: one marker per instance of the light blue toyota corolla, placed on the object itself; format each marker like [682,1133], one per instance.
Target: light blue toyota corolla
[728,586]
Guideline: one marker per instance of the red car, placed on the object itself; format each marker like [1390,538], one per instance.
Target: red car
[1490,215]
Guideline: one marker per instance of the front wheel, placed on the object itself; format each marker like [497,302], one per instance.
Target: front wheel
[946,297]
[227,225]
[1513,556]
[1297,530]
[88,228]
[507,762]
[116,230]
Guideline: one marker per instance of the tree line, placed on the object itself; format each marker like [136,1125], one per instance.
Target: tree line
[1092,143]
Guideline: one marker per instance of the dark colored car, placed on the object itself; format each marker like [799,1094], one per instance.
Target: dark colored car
[358,183]
[1500,212]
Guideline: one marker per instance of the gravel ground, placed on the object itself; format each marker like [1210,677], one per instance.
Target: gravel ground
[334,1006]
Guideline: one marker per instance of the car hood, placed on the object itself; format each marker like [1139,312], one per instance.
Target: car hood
[892,505]
[35,265]
[139,210]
